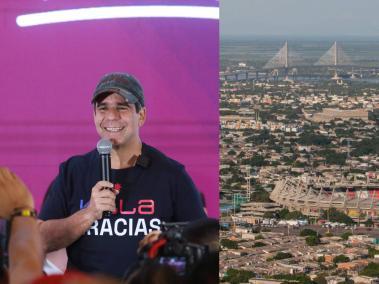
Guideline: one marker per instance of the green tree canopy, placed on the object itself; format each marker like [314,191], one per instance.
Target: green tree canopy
[258,244]
[341,258]
[345,236]
[312,240]
[282,255]
[300,278]
[310,138]
[367,147]
[308,232]
[336,216]
[229,244]
[236,276]
[372,252]
[371,270]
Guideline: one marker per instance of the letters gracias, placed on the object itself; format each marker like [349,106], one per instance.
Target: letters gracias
[126,226]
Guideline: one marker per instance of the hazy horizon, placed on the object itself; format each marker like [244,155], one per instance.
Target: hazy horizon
[299,18]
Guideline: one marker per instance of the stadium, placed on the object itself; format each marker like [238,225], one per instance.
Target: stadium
[356,196]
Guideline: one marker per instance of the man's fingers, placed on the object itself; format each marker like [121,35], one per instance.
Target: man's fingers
[101,185]
[103,201]
[150,238]
[104,194]
[105,206]
[4,174]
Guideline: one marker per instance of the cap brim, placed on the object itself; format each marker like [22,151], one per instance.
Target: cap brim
[128,96]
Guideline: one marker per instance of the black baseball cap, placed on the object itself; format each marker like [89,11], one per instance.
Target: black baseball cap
[121,83]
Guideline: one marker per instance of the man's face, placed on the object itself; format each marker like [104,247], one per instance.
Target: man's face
[117,120]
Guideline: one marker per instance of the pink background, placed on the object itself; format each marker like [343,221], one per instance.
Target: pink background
[48,74]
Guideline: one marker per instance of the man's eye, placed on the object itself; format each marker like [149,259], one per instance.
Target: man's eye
[123,107]
[101,108]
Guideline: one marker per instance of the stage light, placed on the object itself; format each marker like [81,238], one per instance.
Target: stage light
[117,12]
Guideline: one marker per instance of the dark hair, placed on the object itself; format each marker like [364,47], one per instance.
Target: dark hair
[204,232]
[138,107]
[205,271]
[154,273]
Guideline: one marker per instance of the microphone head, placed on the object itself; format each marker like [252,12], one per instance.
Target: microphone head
[104,146]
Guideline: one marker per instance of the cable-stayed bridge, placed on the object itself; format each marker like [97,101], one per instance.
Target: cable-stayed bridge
[335,56]
[286,62]
[285,58]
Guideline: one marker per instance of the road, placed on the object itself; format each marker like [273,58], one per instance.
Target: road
[371,232]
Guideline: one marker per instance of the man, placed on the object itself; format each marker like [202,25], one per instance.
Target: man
[147,188]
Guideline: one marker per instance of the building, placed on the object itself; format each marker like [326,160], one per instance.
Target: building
[253,212]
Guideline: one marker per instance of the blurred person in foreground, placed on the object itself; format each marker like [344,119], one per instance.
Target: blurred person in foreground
[24,244]
[205,232]
[183,254]
[147,188]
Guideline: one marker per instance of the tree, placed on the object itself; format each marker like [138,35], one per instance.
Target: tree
[294,215]
[263,137]
[285,214]
[320,279]
[308,232]
[257,161]
[345,236]
[282,213]
[282,255]
[312,240]
[372,252]
[336,216]
[241,155]
[341,258]
[235,276]
[371,270]
[310,138]
[299,278]
[229,244]
[367,147]
[260,196]
[332,157]
[269,215]
[232,152]
[369,223]
[258,244]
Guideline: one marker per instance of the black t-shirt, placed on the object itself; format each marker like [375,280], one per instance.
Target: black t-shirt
[156,189]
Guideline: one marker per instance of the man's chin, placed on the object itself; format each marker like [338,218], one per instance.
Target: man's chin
[114,142]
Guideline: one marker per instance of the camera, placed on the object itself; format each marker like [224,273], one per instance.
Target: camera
[173,249]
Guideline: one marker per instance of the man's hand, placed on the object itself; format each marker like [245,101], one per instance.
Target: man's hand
[13,194]
[102,199]
[149,239]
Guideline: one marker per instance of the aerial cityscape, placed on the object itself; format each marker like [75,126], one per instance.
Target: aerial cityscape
[299,160]
[299,168]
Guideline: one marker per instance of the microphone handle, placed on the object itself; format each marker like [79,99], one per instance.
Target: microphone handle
[105,175]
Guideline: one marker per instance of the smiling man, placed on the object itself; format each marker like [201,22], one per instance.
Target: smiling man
[147,188]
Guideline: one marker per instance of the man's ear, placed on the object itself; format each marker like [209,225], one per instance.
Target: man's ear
[142,116]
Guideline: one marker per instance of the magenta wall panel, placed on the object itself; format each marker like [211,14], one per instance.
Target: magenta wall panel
[48,74]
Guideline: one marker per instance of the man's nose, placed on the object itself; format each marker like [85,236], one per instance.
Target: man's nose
[113,113]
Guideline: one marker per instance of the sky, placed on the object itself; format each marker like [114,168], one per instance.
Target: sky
[321,18]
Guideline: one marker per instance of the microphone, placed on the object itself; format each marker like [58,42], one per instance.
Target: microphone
[104,147]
